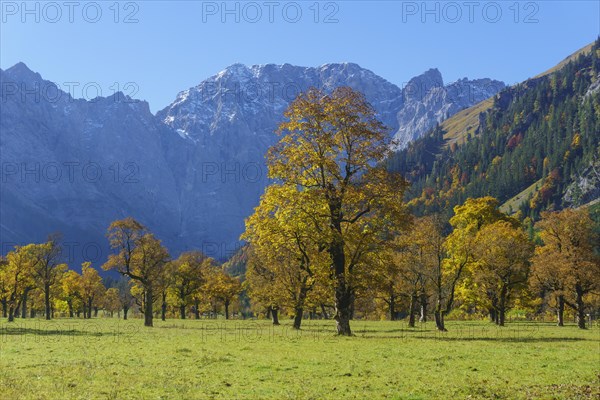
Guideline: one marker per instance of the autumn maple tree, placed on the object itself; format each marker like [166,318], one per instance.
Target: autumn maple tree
[331,153]
[502,256]
[461,251]
[16,275]
[71,286]
[259,284]
[222,287]
[47,268]
[92,288]
[189,275]
[138,255]
[567,262]
[288,260]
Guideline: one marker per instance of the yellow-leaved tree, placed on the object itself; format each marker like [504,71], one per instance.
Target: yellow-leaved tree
[288,259]
[259,283]
[92,288]
[190,270]
[461,246]
[502,252]
[332,153]
[16,277]
[222,288]
[567,262]
[71,294]
[138,255]
[47,268]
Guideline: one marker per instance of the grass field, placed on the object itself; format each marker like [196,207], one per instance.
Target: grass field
[115,359]
[459,126]
[515,202]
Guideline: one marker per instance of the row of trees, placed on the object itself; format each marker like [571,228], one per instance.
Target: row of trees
[488,263]
[34,275]
[332,230]
[29,268]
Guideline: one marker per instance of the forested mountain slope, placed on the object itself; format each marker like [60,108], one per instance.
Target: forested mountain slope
[545,130]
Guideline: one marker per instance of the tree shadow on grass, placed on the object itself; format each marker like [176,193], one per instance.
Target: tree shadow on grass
[20,331]
[399,330]
[501,339]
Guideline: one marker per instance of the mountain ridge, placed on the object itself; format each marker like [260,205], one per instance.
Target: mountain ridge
[534,146]
[192,172]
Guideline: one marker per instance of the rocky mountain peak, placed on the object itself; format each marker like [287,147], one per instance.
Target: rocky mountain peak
[20,72]
[193,171]
[418,87]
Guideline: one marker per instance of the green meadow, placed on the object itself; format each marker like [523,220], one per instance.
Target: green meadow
[108,358]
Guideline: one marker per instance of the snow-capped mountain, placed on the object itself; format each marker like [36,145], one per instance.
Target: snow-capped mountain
[193,171]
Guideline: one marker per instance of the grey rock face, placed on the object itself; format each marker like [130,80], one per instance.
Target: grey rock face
[428,102]
[74,166]
[193,171]
[584,187]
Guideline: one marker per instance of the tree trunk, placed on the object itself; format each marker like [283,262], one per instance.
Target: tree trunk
[438,315]
[95,312]
[580,307]
[163,308]
[502,305]
[560,310]
[275,315]
[342,308]
[47,301]
[299,309]
[492,313]
[182,311]
[24,303]
[17,310]
[197,309]
[392,307]
[423,317]
[411,310]
[502,315]
[298,317]
[125,310]
[32,312]
[343,291]
[324,311]
[4,308]
[70,305]
[148,306]
[11,314]
[226,303]
[89,309]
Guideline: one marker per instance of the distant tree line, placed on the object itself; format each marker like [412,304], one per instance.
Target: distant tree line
[34,280]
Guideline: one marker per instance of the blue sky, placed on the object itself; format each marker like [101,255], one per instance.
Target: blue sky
[168,46]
